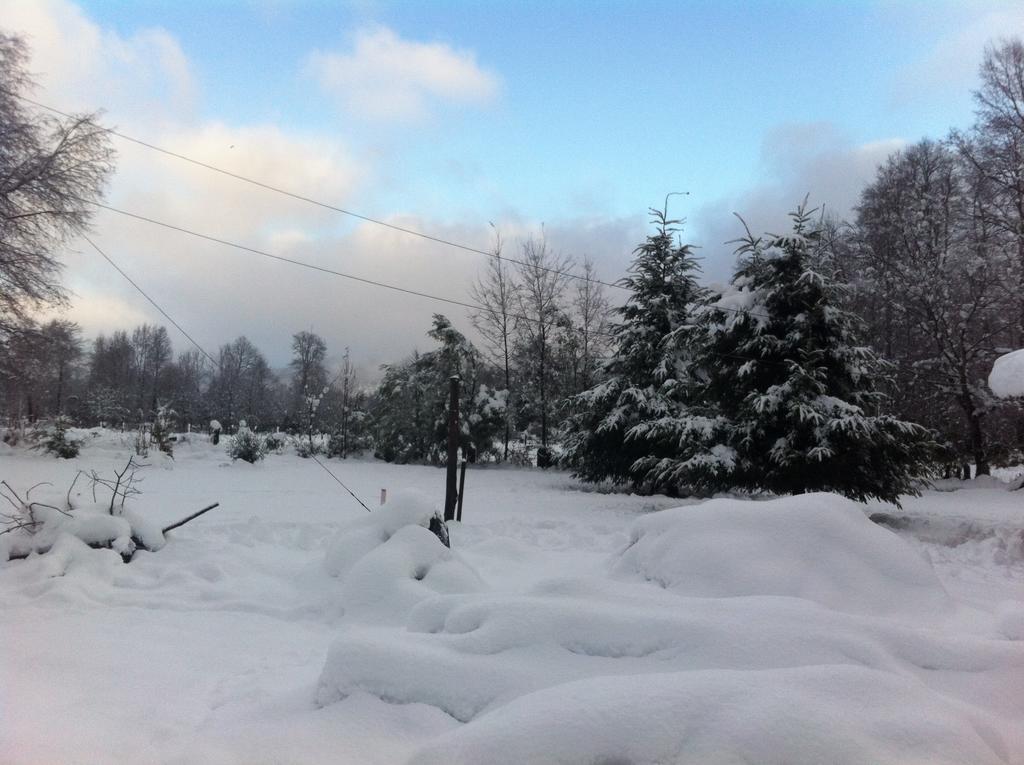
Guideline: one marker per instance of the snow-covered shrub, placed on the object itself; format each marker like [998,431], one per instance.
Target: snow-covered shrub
[276,441]
[309,447]
[248,446]
[55,440]
[161,431]
[141,442]
[36,525]
[10,436]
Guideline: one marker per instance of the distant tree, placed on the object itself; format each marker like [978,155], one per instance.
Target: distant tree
[309,374]
[932,270]
[62,346]
[592,312]
[543,279]
[497,292]
[413,399]
[50,171]
[995,149]
[152,354]
[242,384]
[110,378]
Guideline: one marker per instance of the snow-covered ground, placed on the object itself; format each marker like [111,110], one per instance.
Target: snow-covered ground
[565,625]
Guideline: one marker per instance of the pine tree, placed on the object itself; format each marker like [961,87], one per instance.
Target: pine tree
[792,393]
[645,379]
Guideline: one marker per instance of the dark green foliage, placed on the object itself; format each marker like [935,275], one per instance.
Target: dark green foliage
[645,379]
[411,413]
[788,399]
[248,446]
[56,441]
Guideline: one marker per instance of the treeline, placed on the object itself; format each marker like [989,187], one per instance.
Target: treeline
[513,387]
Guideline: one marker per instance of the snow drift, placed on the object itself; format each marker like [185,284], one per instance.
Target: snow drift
[778,717]
[731,632]
[820,547]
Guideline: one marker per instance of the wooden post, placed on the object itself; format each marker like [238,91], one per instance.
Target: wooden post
[462,488]
[450,492]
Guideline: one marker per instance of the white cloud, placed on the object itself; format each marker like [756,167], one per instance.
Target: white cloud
[385,77]
[952,62]
[79,64]
[797,160]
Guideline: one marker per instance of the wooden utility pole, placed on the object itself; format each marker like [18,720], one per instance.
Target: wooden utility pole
[451,492]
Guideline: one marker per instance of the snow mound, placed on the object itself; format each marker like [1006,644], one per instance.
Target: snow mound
[819,547]
[819,714]
[1007,377]
[798,660]
[389,560]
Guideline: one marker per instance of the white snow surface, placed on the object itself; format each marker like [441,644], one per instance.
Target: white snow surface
[563,625]
[1007,376]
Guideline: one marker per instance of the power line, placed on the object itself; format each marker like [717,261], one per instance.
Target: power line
[319,203]
[203,351]
[333,272]
[282,258]
[152,301]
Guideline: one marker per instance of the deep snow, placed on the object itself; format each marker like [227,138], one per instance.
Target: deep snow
[564,625]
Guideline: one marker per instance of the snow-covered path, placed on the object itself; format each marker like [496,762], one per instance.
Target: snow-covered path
[213,649]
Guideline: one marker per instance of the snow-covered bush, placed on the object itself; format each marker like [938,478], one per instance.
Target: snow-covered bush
[36,525]
[309,446]
[276,441]
[247,445]
[161,430]
[141,442]
[55,439]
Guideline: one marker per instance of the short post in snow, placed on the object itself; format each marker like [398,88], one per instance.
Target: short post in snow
[450,492]
[383,496]
[462,489]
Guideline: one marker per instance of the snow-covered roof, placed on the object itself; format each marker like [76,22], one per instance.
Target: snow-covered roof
[1007,377]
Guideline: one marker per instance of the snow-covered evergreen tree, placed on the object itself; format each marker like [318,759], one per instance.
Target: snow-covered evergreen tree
[411,419]
[792,395]
[645,379]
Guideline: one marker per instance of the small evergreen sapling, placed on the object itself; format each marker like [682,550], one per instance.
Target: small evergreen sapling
[56,440]
[161,431]
[246,445]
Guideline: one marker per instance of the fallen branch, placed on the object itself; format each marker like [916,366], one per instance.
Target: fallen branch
[192,517]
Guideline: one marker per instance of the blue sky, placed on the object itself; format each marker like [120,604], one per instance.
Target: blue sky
[446,116]
[605,105]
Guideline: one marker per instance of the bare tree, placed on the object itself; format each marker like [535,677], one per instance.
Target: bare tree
[50,171]
[543,276]
[927,247]
[592,310]
[995,150]
[497,292]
